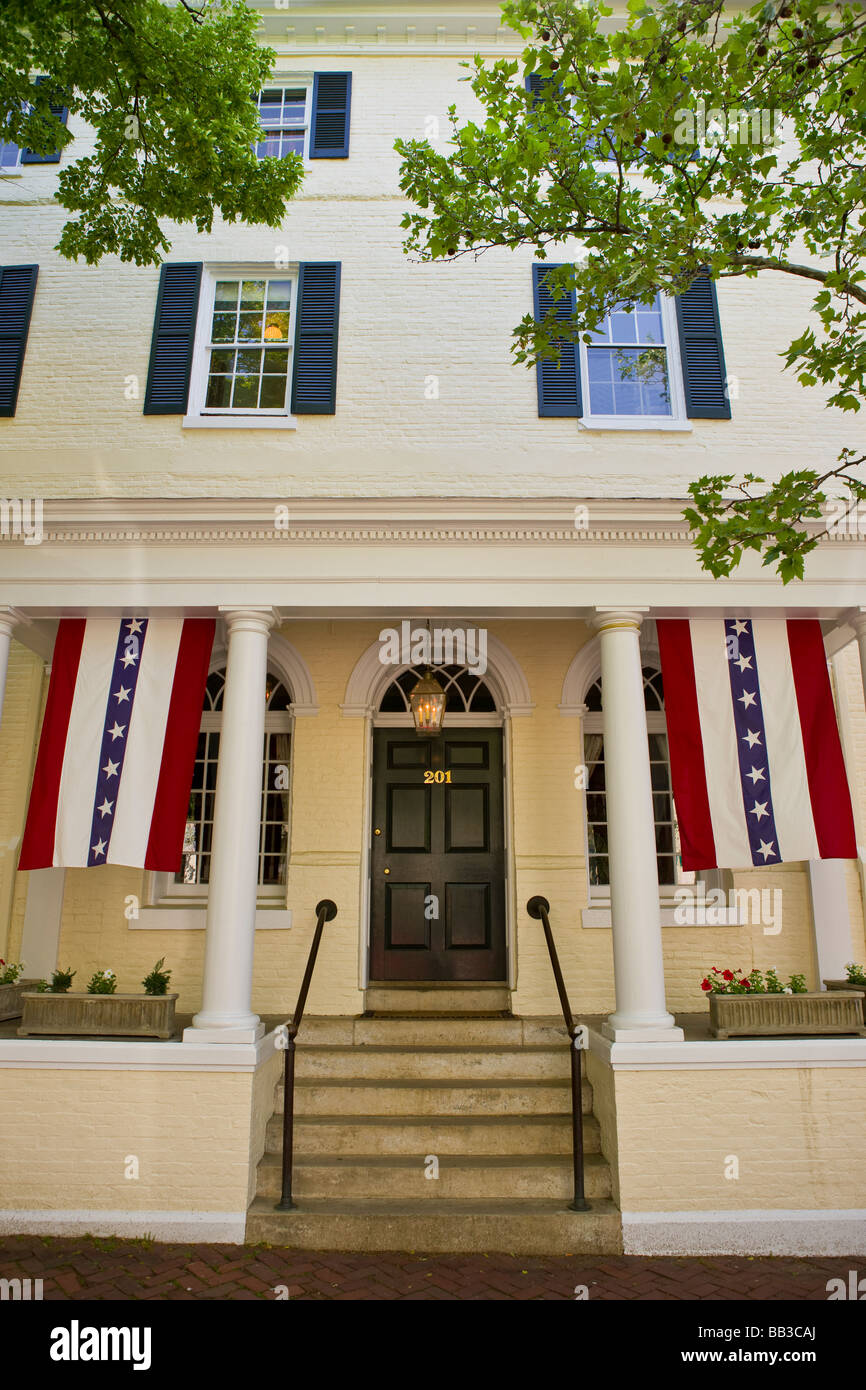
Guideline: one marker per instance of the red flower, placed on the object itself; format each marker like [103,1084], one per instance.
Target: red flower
[729,974]
[746,983]
[705,984]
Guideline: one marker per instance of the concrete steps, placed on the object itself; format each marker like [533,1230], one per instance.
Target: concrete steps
[469,1177]
[489,1097]
[435,1134]
[440,1227]
[413,998]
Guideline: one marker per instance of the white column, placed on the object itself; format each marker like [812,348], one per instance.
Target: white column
[9,620]
[226,1014]
[641,1014]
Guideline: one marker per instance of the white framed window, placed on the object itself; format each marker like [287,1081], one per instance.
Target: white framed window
[668,854]
[190,882]
[630,369]
[284,115]
[242,364]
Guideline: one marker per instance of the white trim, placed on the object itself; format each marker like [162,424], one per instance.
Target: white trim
[632,422]
[167,917]
[773,1231]
[136,1054]
[723,1054]
[220,1227]
[239,422]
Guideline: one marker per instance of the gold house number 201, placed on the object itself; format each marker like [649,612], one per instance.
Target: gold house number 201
[439,776]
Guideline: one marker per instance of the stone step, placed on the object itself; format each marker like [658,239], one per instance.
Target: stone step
[410,998]
[464,1176]
[315,1096]
[415,1135]
[439,1226]
[345,1031]
[482,1064]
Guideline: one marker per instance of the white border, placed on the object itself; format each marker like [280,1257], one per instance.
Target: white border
[220,1227]
[784,1231]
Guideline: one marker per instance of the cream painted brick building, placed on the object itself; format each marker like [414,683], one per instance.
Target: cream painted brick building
[432,488]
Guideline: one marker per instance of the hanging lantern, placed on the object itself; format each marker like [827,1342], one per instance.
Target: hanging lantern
[427,699]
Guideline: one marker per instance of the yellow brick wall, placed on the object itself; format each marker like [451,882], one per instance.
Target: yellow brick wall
[189,1131]
[329,785]
[21,714]
[797,1134]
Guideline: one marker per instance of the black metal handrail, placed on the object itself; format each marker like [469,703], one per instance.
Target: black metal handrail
[539,908]
[326,911]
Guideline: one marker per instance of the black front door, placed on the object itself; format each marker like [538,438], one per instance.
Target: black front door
[438,856]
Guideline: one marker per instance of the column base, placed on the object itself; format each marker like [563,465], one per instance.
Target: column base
[660,1027]
[211,1032]
[663,1035]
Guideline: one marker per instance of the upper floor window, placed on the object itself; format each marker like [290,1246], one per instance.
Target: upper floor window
[248,343]
[627,363]
[285,122]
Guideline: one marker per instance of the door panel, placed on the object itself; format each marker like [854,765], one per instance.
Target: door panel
[438,858]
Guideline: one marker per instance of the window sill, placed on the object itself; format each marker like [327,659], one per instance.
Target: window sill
[612,422]
[598,914]
[239,422]
[180,916]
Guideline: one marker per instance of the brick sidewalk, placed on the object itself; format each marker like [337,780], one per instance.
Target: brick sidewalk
[105,1268]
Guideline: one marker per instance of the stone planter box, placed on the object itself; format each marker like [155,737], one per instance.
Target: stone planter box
[11,1005]
[773,1015]
[846,985]
[98,1015]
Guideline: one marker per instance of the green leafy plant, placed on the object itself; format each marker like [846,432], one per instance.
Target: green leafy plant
[61,980]
[157,981]
[855,974]
[10,973]
[102,982]
[42,987]
[168,91]
[617,149]
[717,981]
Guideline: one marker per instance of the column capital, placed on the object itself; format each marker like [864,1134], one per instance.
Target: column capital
[605,619]
[249,618]
[10,618]
[857,620]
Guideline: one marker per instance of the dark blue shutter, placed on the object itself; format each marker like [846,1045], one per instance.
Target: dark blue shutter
[61,112]
[173,335]
[534,85]
[314,375]
[17,287]
[332,100]
[701,351]
[558,381]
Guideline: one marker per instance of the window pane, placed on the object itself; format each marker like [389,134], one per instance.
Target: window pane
[273,395]
[276,361]
[222,360]
[271,106]
[249,327]
[253,294]
[276,327]
[8,155]
[246,392]
[249,361]
[218,391]
[223,328]
[623,328]
[226,294]
[625,381]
